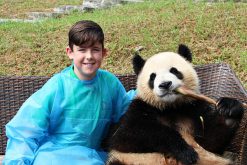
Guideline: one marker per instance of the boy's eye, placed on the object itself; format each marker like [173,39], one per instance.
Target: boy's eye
[82,50]
[96,49]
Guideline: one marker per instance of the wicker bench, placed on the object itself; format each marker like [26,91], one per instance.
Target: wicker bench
[217,80]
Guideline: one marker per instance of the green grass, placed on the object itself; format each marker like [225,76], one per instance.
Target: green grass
[214,32]
[20,8]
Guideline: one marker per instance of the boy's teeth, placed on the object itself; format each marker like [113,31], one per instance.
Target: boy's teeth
[89,65]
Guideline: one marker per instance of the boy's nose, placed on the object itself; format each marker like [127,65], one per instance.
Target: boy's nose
[89,54]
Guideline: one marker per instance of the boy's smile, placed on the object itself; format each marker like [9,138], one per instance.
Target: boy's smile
[87,60]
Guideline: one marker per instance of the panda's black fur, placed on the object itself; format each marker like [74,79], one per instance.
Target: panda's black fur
[150,128]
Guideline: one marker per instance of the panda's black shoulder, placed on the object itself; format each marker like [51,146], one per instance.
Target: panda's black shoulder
[197,107]
[138,104]
[140,109]
[201,104]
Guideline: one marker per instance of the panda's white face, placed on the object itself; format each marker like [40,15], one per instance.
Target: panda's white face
[164,84]
[161,75]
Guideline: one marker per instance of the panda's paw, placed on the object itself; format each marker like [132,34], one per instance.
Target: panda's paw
[188,156]
[230,108]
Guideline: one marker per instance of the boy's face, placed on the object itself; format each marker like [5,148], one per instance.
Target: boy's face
[87,60]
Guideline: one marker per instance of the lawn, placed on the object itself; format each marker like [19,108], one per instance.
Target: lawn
[215,32]
[20,8]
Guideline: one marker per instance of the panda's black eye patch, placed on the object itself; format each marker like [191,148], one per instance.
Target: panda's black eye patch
[152,76]
[176,73]
[151,80]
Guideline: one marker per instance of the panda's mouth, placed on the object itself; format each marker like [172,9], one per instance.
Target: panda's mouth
[168,93]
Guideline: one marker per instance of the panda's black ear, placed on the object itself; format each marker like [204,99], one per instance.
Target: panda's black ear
[185,52]
[138,63]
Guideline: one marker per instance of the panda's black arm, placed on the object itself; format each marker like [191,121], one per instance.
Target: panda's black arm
[168,141]
[218,131]
[149,137]
[140,132]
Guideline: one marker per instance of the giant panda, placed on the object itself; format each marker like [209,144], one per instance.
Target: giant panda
[163,127]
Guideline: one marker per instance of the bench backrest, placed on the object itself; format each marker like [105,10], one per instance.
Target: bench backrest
[216,80]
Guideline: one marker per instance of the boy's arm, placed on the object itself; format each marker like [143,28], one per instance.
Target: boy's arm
[29,126]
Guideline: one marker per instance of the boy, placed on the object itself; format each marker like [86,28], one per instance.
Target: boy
[64,122]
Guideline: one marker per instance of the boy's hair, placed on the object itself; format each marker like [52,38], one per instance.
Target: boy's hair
[85,33]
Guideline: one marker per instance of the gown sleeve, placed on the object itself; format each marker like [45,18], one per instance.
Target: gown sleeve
[121,100]
[30,125]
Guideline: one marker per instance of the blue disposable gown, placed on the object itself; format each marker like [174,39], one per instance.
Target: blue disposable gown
[64,122]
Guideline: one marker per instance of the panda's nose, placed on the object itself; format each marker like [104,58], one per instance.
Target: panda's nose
[165,85]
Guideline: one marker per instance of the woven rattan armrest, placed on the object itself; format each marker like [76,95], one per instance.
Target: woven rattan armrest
[216,80]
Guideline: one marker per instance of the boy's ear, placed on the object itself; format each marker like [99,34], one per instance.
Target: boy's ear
[69,52]
[105,52]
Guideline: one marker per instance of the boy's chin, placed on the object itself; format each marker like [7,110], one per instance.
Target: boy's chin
[88,75]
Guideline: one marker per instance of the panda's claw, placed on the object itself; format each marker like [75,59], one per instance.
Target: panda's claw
[230,108]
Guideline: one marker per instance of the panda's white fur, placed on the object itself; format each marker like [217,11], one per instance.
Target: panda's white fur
[160,64]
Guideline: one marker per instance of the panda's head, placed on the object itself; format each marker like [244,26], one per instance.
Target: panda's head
[161,74]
